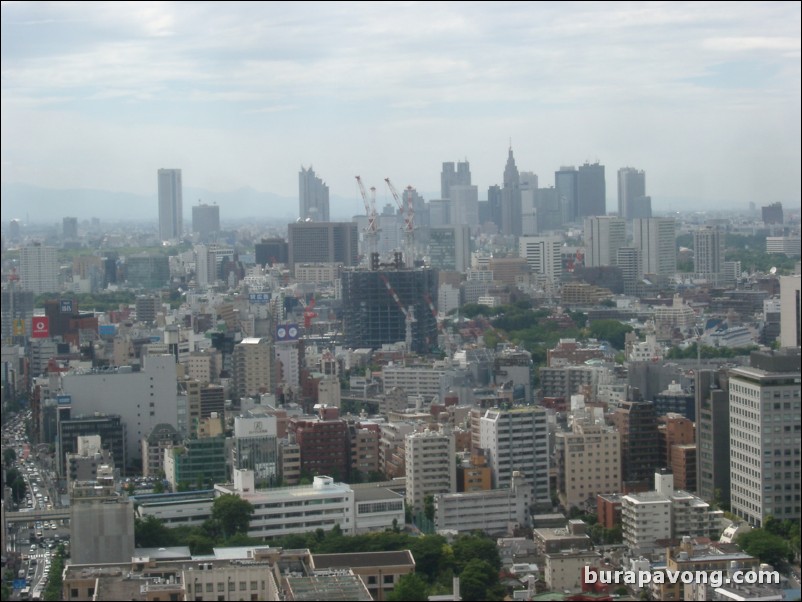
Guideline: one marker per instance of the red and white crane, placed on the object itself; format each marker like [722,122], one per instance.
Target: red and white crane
[409,312]
[440,326]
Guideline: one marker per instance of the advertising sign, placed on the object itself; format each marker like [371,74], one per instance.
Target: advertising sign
[259,297]
[40,327]
[66,306]
[287,332]
[64,400]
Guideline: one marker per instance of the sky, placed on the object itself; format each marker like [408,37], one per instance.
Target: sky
[703,96]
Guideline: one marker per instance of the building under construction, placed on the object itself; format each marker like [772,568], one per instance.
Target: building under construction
[390,303]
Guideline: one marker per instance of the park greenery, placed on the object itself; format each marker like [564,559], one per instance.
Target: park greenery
[777,543]
[707,352]
[55,576]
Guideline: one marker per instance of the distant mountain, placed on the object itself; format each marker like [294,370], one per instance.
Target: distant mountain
[25,201]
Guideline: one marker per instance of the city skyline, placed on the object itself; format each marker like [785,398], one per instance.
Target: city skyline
[704,100]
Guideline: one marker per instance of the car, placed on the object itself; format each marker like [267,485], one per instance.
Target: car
[33,547]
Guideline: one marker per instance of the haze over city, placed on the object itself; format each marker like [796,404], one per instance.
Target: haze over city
[705,98]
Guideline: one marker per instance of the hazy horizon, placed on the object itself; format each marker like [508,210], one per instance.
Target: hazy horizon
[705,98]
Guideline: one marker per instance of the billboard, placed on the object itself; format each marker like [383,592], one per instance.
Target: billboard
[40,327]
[287,332]
[64,400]
[66,306]
[259,297]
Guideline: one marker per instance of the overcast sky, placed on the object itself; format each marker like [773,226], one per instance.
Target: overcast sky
[705,97]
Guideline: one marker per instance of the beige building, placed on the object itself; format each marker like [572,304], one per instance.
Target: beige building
[564,570]
[588,463]
[253,367]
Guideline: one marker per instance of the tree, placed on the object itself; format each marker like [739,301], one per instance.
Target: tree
[410,587]
[612,331]
[428,552]
[428,507]
[770,548]
[476,547]
[232,513]
[9,456]
[158,487]
[477,579]
[150,532]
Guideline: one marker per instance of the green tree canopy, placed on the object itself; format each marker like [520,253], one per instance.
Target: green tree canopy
[410,587]
[767,546]
[232,513]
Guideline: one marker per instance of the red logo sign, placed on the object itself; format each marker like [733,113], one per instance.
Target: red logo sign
[40,327]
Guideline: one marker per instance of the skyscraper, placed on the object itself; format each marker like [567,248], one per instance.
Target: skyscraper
[464,205]
[566,183]
[708,253]
[603,237]
[631,186]
[511,198]
[171,204]
[69,228]
[313,196]
[591,190]
[543,254]
[450,248]
[206,221]
[656,238]
[38,269]
[454,175]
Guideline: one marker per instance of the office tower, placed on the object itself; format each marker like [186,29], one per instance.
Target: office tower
[494,204]
[324,443]
[464,205]
[656,238]
[69,228]
[603,237]
[323,242]
[641,208]
[712,396]
[255,447]
[450,248]
[566,183]
[530,216]
[511,198]
[72,427]
[439,213]
[16,309]
[372,316]
[637,424]
[38,266]
[543,254]
[790,311]
[708,253]
[313,196]
[147,308]
[631,186]
[206,221]
[516,439]
[764,437]
[147,271]
[271,251]
[14,230]
[208,263]
[772,214]
[458,174]
[591,190]
[431,466]
[171,204]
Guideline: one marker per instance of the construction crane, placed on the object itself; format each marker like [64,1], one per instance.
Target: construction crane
[309,310]
[409,222]
[372,229]
[447,335]
[409,312]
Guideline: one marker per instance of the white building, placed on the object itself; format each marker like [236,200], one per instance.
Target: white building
[424,381]
[656,238]
[708,253]
[171,208]
[790,310]
[141,399]
[464,204]
[564,571]
[495,512]
[38,266]
[431,465]
[604,235]
[516,440]
[543,254]
[784,245]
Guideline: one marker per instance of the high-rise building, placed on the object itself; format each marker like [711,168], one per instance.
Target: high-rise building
[458,174]
[790,311]
[147,271]
[16,310]
[324,443]
[464,205]
[69,228]
[38,266]
[630,262]
[640,452]
[603,237]
[543,254]
[431,465]
[253,367]
[511,198]
[773,213]
[313,196]
[591,190]
[373,317]
[708,253]
[450,248]
[631,186]
[271,251]
[566,182]
[494,204]
[323,242]
[516,439]
[206,221]
[656,239]
[764,437]
[171,204]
